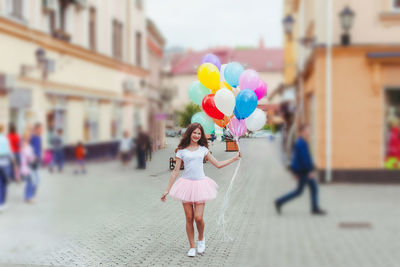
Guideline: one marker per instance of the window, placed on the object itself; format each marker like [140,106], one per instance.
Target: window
[139,4]
[117,39]
[116,122]
[16,8]
[392,128]
[91,122]
[92,28]
[52,21]
[139,49]
[396,5]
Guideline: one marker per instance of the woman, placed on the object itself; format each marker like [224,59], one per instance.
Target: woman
[27,159]
[125,148]
[14,140]
[194,188]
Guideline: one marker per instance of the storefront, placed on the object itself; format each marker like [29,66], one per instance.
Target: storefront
[365,112]
[392,128]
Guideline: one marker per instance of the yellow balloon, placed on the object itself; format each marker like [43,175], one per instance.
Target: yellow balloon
[208,75]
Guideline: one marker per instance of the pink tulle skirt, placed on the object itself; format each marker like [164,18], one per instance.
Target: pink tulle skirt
[192,191]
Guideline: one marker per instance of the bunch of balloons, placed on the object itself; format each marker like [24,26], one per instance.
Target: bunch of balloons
[228,95]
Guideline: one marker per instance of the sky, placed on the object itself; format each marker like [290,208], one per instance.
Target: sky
[200,24]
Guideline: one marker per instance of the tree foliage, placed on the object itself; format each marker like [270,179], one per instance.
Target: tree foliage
[186,115]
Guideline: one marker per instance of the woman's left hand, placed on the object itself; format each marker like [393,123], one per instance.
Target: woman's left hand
[164,196]
[238,156]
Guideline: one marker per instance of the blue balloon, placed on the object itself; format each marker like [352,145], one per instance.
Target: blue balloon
[232,73]
[246,103]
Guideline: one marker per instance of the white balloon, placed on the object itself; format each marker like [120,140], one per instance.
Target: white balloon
[256,120]
[225,101]
[221,73]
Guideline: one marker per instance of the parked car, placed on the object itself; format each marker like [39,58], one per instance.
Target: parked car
[171,133]
[182,131]
[261,134]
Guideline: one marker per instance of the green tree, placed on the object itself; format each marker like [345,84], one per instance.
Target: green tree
[186,115]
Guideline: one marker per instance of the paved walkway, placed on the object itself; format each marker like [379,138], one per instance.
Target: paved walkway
[114,217]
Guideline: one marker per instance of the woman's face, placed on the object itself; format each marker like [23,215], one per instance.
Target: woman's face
[196,135]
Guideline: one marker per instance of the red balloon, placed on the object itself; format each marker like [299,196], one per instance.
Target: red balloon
[210,109]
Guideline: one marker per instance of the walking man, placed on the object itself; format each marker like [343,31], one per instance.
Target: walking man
[58,151]
[6,159]
[302,166]
[142,141]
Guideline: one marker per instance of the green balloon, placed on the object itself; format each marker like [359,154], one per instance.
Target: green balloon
[205,121]
[197,92]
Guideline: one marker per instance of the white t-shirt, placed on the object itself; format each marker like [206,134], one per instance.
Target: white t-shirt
[193,162]
[125,145]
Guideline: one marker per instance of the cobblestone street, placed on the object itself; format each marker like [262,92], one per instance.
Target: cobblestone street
[114,216]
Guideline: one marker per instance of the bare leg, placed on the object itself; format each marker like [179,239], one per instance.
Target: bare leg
[188,207]
[198,217]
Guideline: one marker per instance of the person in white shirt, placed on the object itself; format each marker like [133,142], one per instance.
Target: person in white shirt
[194,188]
[125,148]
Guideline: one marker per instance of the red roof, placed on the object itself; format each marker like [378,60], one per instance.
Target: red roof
[259,59]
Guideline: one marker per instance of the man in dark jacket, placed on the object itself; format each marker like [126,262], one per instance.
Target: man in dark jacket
[302,166]
[142,142]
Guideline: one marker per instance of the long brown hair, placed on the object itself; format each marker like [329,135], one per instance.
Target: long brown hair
[185,141]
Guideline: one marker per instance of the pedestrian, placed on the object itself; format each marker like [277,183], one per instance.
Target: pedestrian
[80,153]
[142,142]
[14,140]
[6,159]
[27,161]
[58,151]
[125,148]
[36,143]
[149,148]
[302,167]
[194,188]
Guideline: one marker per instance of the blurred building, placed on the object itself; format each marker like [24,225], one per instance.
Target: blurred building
[158,110]
[89,67]
[343,58]
[182,70]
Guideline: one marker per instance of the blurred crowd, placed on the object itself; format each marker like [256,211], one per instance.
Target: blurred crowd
[141,146]
[22,157]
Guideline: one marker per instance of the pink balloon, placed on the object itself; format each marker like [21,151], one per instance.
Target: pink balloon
[261,89]
[249,80]
[237,127]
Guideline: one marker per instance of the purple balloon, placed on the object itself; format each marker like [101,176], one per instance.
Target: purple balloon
[213,59]
[237,127]
[249,80]
[261,89]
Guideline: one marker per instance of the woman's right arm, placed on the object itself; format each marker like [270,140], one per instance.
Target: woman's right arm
[174,175]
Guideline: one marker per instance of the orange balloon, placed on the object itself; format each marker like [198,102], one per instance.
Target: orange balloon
[226,85]
[222,123]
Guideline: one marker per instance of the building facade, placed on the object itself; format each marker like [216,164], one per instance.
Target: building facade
[81,66]
[158,109]
[347,83]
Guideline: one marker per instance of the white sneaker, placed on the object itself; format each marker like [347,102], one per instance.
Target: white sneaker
[201,246]
[191,252]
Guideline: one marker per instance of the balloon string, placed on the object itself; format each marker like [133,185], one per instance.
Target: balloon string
[225,205]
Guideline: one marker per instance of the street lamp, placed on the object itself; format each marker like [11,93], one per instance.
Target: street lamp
[288,23]
[346,19]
